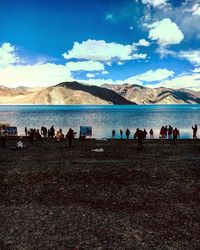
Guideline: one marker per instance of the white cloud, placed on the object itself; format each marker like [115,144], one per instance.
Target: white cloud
[109,17]
[105,72]
[143,42]
[90,75]
[100,81]
[191,81]
[196,9]
[38,75]
[196,70]
[184,14]
[155,3]
[139,56]
[151,75]
[13,73]
[164,51]
[193,56]
[8,55]
[99,50]
[85,66]
[120,63]
[165,32]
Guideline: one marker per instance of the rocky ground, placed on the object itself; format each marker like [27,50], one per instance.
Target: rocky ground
[56,197]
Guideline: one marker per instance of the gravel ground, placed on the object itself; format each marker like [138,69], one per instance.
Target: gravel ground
[56,197]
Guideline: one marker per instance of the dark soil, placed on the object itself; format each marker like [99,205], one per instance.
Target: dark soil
[56,197]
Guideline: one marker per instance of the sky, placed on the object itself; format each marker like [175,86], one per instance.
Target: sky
[147,42]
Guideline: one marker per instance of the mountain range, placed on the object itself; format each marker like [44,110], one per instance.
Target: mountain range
[77,93]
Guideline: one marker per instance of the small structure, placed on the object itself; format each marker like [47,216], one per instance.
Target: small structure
[11,131]
[7,129]
[85,131]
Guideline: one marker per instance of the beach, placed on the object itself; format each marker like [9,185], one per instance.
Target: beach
[56,197]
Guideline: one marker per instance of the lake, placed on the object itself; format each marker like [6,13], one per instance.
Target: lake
[102,118]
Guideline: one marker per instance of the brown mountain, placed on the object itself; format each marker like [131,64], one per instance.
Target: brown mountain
[63,93]
[77,93]
[145,95]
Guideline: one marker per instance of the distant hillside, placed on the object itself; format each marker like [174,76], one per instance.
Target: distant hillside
[77,93]
[145,95]
[63,93]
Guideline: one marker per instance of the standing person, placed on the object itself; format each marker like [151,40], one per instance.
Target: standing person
[136,134]
[70,136]
[151,134]
[195,128]
[113,133]
[170,130]
[52,131]
[144,133]
[176,134]
[140,137]
[165,132]
[32,136]
[162,132]
[44,132]
[26,131]
[121,133]
[128,132]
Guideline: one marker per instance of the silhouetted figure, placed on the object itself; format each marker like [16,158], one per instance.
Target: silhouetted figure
[37,134]
[195,128]
[70,136]
[151,134]
[121,133]
[162,132]
[26,131]
[128,132]
[140,137]
[32,136]
[176,134]
[144,134]
[136,134]
[170,131]
[44,131]
[113,133]
[165,132]
[52,132]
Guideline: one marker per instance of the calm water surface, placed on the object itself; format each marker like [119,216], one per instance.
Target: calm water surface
[103,118]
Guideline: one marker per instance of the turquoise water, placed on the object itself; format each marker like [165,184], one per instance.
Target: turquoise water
[103,118]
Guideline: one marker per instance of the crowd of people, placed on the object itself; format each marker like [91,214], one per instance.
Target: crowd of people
[51,133]
[166,132]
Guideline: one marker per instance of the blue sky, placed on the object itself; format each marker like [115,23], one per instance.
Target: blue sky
[147,42]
